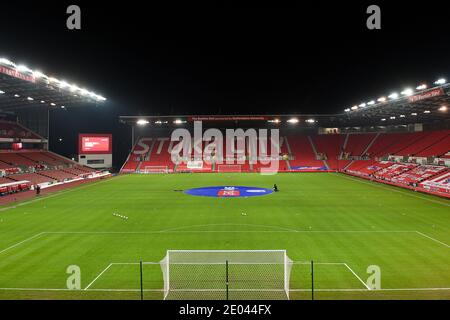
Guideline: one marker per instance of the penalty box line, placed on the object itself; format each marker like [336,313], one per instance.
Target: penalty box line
[196,263]
[223,231]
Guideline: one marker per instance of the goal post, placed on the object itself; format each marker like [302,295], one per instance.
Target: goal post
[155,169]
[229,168]
[223,274]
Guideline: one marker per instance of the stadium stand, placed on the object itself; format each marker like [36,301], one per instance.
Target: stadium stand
[438,184]
[15,130]
[394,170]
[329,148]
[438,148]
[424,140]
[419,174]
[303,155]
[34,178]
[358,153]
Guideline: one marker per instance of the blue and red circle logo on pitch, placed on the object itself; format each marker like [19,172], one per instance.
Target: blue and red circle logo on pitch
[229,191]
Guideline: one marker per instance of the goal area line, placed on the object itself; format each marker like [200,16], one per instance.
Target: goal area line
[161,290]
[112,264]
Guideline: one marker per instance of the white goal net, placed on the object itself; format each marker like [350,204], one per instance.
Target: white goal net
[229,168]
[155,169]
[226,274]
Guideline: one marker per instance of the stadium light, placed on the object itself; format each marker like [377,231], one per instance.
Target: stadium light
[38,74]
[310,121]
[7,62]
[443,108]
[142,122]
[392,118]
[63,84]
[73,88]
[2,92]
[179,121]
[293,120]
[274,121]
[63,107]
[407,92]
[421,87]
[440,81]
[402,116]
[54,80]
[16,95]
[347,110]
[381,99]
[362,105]
[383,119]
[22,68]
[52,104]
[355,108]
[393,95]
[42,101]
[30,99]
[371,102]
[414,114]
[427,111]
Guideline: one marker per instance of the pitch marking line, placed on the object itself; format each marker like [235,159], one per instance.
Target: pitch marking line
[377,185]
[23,241]
[160,290]
[431,238]
[98,276]
[354,273]
[195,263]
[223,231]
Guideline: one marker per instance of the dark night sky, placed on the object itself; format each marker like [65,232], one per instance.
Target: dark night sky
[149,59]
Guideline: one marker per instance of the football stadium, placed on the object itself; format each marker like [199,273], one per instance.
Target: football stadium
[334,200]
[350,203]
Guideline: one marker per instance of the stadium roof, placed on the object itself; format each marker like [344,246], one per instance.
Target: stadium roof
[420,105]
[21,87]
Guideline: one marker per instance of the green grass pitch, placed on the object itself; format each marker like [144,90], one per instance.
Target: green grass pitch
[342,223]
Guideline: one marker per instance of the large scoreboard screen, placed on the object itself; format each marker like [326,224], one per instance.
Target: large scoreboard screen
[95,143]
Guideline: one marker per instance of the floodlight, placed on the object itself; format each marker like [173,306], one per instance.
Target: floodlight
[142,122]
[440,81]
[421,87]
[293,120]
[393,95]
[407,92]
[22,68]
